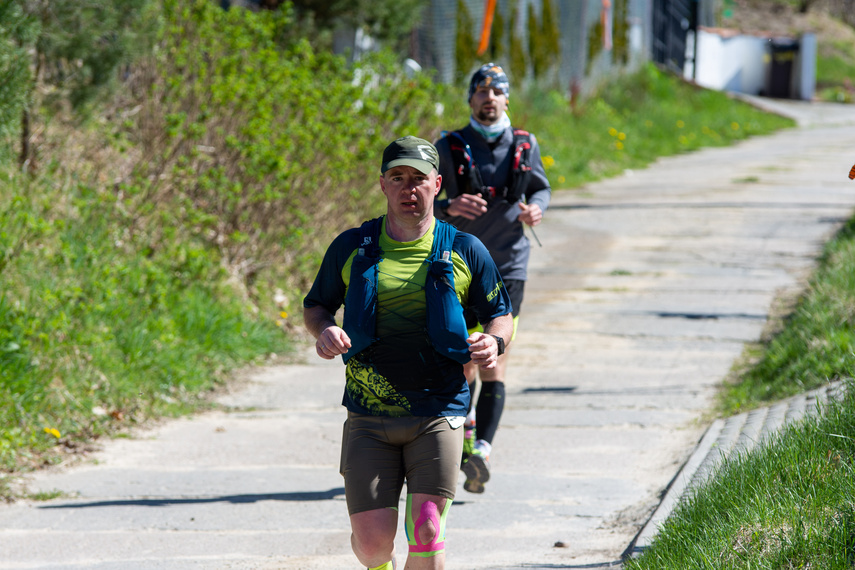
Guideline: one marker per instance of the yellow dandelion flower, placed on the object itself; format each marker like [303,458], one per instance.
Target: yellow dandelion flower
[619,145]
[548,162]
[53,431]
[734,125]
[283,314]
[621,136]
[680,124]
[561,179]
[684,140]
[613,132]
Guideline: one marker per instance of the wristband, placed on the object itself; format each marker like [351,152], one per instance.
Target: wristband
[501,342]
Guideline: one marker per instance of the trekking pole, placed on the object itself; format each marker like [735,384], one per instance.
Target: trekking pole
[535,236]
[532,228]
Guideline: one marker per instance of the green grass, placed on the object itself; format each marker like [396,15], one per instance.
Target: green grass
[835,69]
[789,503]
[104,325]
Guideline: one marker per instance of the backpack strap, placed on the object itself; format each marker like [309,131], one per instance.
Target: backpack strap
[446,325]
[360,304]
[520,166]
[443,238]
[469,179]
[369,237]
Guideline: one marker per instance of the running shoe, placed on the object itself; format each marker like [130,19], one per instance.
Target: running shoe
[477,471]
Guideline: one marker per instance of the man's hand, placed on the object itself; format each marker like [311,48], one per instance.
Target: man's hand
[469,206]
[332,342]
[530,214]
[483,349]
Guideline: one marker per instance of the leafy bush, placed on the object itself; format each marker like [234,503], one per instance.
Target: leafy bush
[263,146]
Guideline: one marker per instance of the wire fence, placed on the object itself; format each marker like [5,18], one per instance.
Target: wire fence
[596,38]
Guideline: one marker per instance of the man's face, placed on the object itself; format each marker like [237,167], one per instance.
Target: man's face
[409,192]
[488,104]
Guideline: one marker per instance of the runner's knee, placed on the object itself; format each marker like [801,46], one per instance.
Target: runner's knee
[426,533]
[375,537]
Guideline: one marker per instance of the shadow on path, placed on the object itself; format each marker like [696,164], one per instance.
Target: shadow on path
[234,499]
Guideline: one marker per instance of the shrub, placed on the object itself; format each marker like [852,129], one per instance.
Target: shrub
[263,146]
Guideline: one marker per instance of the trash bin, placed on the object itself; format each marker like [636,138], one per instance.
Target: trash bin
[782,59]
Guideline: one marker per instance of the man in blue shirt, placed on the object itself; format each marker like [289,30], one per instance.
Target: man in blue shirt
[404,280]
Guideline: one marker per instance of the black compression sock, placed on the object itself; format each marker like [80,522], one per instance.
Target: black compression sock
[491,402]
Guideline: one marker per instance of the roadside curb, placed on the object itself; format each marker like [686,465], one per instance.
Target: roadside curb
[729,437]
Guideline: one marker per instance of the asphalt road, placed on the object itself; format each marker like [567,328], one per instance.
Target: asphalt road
[643,295]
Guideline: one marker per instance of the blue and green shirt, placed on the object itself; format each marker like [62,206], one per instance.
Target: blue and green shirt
[401,374]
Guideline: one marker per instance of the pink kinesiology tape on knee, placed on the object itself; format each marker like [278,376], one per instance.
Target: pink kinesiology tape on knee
[429,512]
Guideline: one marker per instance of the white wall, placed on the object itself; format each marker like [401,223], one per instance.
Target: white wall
[740,63]
[730,63]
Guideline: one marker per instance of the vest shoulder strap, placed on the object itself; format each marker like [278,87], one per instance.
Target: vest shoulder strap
[369,237]
[469,176]
[443,239]
[520,166]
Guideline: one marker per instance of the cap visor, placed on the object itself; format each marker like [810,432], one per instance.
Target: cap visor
[421,165]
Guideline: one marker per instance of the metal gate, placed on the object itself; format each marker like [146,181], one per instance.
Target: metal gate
[672,21]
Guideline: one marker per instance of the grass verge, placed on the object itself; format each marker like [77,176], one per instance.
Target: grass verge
[814,345]
[790,503]
[103,327]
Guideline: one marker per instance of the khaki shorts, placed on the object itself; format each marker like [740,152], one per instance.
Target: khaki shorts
[379,453]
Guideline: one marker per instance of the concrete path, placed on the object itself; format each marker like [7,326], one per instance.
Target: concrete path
[644,293]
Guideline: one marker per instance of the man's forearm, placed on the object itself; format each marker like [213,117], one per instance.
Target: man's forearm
[317,319]
[540,197]
[501,326]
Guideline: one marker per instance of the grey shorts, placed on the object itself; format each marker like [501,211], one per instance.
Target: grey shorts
[379,453]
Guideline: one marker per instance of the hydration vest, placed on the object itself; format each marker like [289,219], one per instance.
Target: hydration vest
[446,326]
[469,177]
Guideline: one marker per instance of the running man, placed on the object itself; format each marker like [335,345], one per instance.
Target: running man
[404,279]
[494,183]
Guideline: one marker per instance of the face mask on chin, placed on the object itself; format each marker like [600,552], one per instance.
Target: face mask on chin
[494,131]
